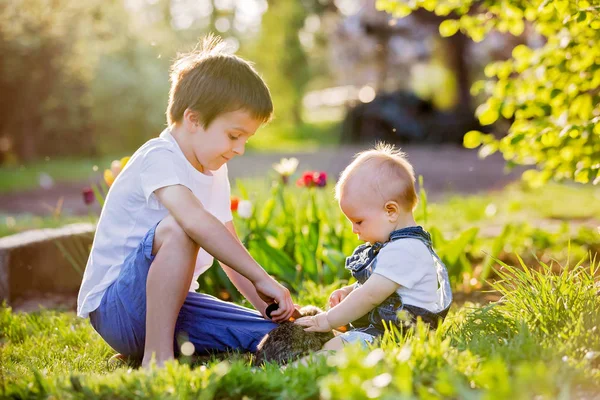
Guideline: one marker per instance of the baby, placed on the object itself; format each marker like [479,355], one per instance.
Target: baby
[397,269]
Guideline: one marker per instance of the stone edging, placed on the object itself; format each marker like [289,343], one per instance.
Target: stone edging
[32,261]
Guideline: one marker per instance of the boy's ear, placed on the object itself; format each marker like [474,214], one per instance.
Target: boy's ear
[192,118]
[393,210]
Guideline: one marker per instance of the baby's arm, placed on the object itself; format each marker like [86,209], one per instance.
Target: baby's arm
[358,303]
[362,300]
[340,294]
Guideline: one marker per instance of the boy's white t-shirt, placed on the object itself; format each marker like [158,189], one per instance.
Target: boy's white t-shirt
[131,209]
[409,263]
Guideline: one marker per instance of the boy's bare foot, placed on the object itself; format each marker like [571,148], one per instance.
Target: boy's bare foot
[118,360]
[156,361]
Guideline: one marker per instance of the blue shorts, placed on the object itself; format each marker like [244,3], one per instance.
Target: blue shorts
[210,324]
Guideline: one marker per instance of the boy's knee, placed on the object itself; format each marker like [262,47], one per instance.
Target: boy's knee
[169,230]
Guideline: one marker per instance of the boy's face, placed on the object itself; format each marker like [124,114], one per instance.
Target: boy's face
[369,219]
[223,139]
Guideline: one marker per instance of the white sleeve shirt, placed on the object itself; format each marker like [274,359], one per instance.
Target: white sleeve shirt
[131,209]
[409,263]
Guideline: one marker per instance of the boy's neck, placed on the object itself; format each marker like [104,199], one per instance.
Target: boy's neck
[181,137]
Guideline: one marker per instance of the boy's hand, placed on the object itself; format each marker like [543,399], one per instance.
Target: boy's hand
[338,295]
[271,291]
[315,323]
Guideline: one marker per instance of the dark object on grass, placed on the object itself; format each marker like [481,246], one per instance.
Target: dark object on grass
[289,341]
[270,308]
[274,306]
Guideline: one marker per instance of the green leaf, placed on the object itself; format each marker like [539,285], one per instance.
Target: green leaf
[582,175]
[522,52]
[267,212]
[242,189]
[517,27]
[472,139]
[449,27]
[561,5]
[98,195]
[487,115]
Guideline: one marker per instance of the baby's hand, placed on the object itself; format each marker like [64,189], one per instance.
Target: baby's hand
[315,323]
[337,296]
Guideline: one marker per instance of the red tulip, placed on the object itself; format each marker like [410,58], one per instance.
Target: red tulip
[88,195]
[235,202]
[321,179]
[312,179]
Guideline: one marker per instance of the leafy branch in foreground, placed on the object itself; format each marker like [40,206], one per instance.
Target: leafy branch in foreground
[551,92]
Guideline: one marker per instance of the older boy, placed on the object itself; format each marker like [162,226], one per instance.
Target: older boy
[167,215]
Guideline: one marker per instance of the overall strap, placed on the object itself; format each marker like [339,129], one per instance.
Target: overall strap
[444,289]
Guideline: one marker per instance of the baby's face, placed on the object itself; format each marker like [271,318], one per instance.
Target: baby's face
[369,219]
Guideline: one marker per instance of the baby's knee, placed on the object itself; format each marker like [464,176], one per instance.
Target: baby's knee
[170,231]
[334,344]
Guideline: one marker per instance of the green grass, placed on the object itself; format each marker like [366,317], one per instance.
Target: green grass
[539,340]
[10,225]
[515,348]
[270,138]
[308,137]
[26,177]
[517,203]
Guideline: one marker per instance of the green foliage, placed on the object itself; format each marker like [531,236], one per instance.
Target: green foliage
[561,309]
[44,62]
[85,78]
[282,61]
[50,53]
[515,348]
[132,73]
[551,93]
[453,252]
[297,246]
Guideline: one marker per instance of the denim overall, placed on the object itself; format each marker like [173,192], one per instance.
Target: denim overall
[363,262]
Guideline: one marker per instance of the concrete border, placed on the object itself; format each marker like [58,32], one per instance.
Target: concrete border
[33,261]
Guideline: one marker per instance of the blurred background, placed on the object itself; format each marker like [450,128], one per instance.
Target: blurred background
[91,78]
[86,82]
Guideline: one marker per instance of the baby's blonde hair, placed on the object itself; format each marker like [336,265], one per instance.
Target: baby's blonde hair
[392,175]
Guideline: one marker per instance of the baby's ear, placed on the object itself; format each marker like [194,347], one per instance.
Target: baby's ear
[392,209]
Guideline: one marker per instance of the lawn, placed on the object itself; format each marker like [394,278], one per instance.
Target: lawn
[539,340]
[496,351]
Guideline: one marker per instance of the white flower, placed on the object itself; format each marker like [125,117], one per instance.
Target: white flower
[286,166]
[115,167]
[245,209]
[45,180]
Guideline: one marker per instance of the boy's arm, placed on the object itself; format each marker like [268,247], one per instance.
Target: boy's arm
[242,284]
[210,234]
[358,303]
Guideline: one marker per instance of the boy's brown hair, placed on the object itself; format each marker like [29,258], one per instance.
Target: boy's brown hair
[212,82]
[389,174]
